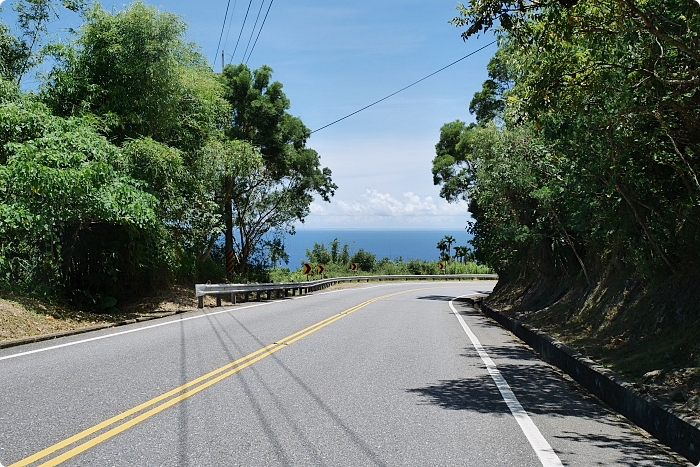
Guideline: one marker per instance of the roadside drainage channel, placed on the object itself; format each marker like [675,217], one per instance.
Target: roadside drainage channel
[680,433]
[45,337]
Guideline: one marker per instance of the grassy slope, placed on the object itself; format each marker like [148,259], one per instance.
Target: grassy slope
[24,317]
[629,325]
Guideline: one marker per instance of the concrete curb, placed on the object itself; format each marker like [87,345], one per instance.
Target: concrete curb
[55,335]
[680,433]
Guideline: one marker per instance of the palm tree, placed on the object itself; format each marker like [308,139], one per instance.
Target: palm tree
[443,247]
[449,240]
[461,252]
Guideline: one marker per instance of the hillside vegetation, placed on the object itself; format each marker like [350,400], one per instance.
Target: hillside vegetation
[121,172]
[581,172]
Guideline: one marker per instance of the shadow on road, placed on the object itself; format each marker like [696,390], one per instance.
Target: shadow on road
[475,394]
[373,458]
[447,298]
[628,447]
[442,298]
[542,390]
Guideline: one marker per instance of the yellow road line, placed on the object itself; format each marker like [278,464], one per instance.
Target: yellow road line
[181,393]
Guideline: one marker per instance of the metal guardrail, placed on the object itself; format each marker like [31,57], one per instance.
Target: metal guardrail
[284,288]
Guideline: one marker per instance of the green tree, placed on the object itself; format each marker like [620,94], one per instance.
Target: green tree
[344,256]
[442,248]
[364,259]
[22,118]
[261,203]
[134,70]
[489,104]
[334,250]
[153,93]
[453,166]
[25,51]
[462,252]
[590,160]
[319,254]
[449,240]
[71,219]
[13,55]
[291,174]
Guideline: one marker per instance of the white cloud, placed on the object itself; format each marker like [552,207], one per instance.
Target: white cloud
[317,208]
[375,203]
[377,209]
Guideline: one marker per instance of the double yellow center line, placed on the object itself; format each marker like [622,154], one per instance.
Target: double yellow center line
[138,414]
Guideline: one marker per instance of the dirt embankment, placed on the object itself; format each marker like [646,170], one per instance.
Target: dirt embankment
[25,317]
[646,330]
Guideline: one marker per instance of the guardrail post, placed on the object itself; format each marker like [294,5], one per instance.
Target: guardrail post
[257,296]
[246,297]
[218,299]
[200,301]
[233,298]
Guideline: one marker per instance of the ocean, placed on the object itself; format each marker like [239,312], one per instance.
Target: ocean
[408,244]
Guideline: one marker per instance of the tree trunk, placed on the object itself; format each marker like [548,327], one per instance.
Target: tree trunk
[228,233]
[647,232]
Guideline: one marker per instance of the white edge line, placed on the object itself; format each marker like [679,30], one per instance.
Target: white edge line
[542,448]
[204,315]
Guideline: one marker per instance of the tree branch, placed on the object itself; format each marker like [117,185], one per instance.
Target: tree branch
[657,32]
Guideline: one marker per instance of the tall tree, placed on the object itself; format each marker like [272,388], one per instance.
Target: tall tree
[442,248]
[152,93]
[449,240]
[134,70]
[33,17]
[291,173]
[13,55]
[594,153]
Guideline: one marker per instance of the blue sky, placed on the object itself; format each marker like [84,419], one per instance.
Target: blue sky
[335,57]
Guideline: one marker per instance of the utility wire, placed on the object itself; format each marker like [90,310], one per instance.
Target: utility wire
[259,31]
[252,31]
[404,88]
[240,33]
[222,30]
[230,23]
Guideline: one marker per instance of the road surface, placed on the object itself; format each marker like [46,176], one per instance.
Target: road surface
[389,374]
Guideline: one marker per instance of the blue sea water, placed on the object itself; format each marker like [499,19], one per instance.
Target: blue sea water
[408,244]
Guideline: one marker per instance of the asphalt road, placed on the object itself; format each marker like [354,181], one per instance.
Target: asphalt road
[394,374]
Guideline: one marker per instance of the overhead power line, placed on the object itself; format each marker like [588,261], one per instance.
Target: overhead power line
[404,88]
[242,27]
[259,31]
[252,31]
[230,23]
[222,30]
